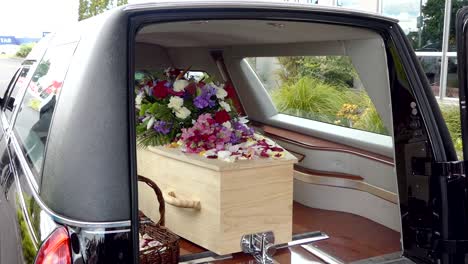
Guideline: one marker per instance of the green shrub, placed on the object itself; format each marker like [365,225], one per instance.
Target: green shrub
[334,70]
[451,114]
[24,50]
[314,99]
[309,98]
[370,119]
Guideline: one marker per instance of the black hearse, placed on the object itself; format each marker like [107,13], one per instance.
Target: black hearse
[69,185]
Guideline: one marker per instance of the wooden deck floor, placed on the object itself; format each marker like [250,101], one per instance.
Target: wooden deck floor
[352,238]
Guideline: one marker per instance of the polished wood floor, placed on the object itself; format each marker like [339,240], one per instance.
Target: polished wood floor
[351,238]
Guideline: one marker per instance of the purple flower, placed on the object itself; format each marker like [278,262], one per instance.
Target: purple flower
[206,98]
[235,138]
[162,127]
[245,130]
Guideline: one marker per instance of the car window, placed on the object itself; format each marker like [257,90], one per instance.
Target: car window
[34,117]
[320,88]
[12,96]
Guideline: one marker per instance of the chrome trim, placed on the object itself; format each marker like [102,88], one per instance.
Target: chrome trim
[318,237]
[106,231]
[321,254]
[359,185]
[343,150]
[207,259]
[57,217]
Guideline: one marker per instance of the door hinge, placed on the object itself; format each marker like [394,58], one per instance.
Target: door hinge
[450,169]
[452,246]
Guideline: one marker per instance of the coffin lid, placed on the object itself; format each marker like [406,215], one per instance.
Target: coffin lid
[219,165]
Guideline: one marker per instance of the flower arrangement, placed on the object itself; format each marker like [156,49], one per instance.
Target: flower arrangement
[197,117]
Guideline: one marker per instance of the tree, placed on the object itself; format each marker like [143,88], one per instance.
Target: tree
[333,70]
[90,8]
[433,17]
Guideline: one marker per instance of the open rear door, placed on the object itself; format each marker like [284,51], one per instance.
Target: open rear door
[461,30]
[456,246]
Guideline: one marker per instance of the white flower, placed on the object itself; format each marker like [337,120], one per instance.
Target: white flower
[225,105]
[150,123]
[180,85]
[182,113]
[138,100]
[175,102]
[226,155]
[234,148]
[227,124]
[221,93]
[210,152]
[243,120]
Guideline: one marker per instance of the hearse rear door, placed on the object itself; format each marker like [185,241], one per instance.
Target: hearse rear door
[453,244]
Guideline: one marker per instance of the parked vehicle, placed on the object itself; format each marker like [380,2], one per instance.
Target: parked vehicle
[68,181]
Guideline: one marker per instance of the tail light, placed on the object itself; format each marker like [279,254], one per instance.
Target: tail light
[56,249]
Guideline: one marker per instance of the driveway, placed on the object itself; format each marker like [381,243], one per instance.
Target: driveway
[8,68]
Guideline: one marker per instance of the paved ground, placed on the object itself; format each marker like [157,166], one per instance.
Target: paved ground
[8,68]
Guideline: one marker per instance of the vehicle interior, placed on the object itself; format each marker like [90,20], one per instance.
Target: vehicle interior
[335,119]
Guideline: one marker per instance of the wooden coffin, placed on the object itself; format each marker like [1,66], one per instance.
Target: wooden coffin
[213,203]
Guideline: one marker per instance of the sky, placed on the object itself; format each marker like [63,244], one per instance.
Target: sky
[32,17]
[406,11]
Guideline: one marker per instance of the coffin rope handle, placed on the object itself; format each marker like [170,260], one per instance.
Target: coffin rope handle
[159,195]
[172,199]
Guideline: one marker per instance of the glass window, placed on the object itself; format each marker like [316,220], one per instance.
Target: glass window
[452,78]
[35,115]
[12,97]
[431,67]
[451,108]
[321,88]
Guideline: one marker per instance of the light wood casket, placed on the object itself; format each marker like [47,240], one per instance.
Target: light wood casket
[213,203]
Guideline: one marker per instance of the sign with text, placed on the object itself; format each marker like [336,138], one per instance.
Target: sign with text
[5,40]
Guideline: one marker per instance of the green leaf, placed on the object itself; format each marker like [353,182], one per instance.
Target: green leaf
[143,109]
[152,138]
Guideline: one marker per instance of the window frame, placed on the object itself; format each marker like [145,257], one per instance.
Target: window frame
[373,142]
[269,91]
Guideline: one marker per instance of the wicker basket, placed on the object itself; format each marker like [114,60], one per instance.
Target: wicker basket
[168,251]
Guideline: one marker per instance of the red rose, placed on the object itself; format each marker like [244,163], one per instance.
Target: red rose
[230,90]
[222,116]
[172,92]
[191,88]
[232,94]
[201,84]
[160,90]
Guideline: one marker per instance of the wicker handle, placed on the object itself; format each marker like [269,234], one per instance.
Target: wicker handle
[157,191]
[172,199]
